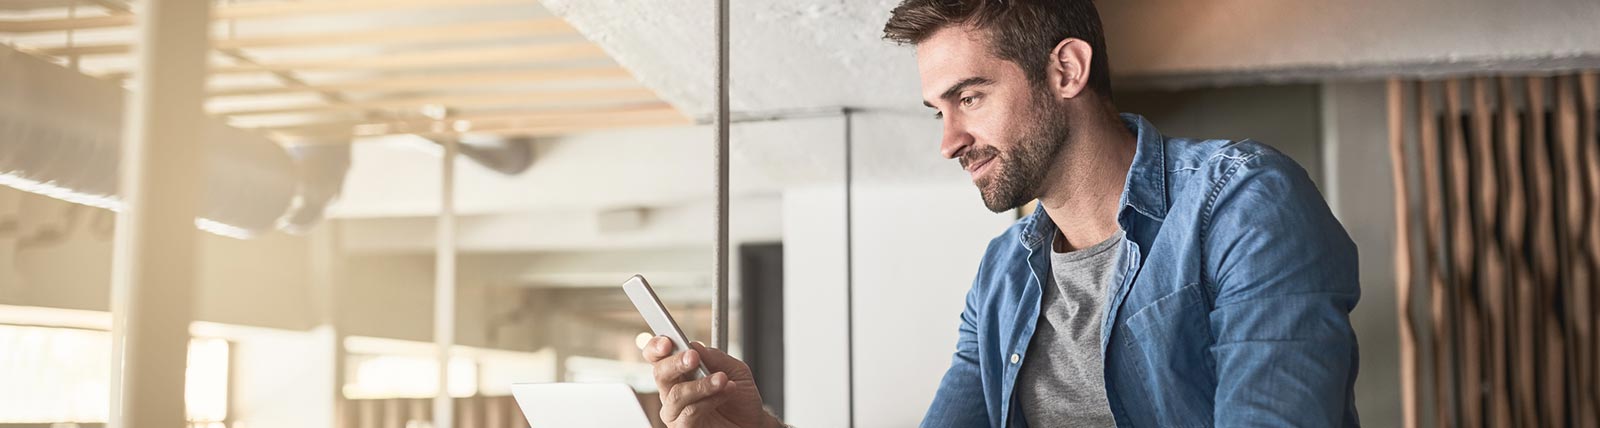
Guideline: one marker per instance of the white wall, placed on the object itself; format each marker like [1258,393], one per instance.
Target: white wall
[1360,189]
[1285,117]
[919,232]
[917,250]
[816,388]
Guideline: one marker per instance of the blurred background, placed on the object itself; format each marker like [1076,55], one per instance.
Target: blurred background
[572,141]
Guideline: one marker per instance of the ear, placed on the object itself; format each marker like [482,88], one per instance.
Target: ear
[1067,72]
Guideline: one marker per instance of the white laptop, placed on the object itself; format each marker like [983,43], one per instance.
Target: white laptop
[575,405]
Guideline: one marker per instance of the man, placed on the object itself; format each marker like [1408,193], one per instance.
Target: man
[1164,281]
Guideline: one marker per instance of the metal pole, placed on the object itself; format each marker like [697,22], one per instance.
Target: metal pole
[444,297]
[719,306]
[152,274]
[849,266]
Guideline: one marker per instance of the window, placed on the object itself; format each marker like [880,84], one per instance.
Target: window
[405,376]
[63,375]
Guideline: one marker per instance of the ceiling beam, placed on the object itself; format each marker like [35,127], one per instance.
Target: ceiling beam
[27,5]
[564,129]
[550,97]
[436,58]
[516,131]
[646,114]
[388,35]
[439,81]
[433,58]
[256,10]
[114,6]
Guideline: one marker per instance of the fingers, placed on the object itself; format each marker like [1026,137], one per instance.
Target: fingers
[716,360]
[671,371]
[657,348]
[687,398]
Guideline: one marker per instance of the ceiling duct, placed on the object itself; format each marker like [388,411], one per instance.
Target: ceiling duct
[321,166]
[60,136]
[505,155]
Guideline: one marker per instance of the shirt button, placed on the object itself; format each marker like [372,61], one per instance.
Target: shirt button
[1015,358]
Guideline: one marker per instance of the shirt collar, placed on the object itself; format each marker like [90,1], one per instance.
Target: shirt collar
[1146,187]
[1145,191]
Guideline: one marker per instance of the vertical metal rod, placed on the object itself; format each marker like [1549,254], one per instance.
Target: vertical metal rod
[719,306]
[849,267]
[72,13]
[444,296]
[152,274]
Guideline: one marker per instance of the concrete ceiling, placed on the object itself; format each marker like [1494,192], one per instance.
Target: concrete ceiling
[829,53]
[785,55]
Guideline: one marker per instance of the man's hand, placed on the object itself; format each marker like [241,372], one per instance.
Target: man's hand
[727,398]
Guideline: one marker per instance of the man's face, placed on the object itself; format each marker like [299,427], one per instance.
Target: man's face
[1004,130]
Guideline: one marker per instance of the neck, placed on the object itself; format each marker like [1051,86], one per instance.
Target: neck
[1083,187]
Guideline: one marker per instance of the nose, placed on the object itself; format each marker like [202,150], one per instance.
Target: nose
[956,140]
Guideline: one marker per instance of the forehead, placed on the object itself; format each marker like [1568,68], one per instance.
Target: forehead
[952,54]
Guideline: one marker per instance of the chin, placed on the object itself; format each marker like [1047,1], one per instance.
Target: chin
[994,203]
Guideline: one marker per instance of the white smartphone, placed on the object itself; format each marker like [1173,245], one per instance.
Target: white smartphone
[645,300]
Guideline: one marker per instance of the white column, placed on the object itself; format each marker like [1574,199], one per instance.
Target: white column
[444,297]
[326,260]
[153,251]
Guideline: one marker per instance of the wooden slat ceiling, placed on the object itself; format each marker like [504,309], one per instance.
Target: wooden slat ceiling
[333,70]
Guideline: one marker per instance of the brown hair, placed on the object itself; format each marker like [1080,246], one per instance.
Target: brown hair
[1020,31]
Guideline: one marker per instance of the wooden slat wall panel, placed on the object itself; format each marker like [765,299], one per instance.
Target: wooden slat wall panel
[1491,280]
[1570,211]
[1409,358]
[472,412]
[1469,331]
[1433,232]
[1589,134]
[1525,398]
[1509,176]
[394,414]
[368,415]
[1545,258]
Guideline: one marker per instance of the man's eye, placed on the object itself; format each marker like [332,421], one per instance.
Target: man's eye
[938,115]
[967,101]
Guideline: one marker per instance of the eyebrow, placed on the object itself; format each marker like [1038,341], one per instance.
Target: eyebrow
[960,86]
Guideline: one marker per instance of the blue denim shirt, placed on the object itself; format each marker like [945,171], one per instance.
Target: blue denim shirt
[1230,308]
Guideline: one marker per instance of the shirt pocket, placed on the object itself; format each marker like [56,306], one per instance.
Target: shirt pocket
[1169,339]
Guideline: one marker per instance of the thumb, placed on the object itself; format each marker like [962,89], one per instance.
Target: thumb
[716,360]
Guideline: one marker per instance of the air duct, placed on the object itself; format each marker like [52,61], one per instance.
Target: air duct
[60,136]
[505,155]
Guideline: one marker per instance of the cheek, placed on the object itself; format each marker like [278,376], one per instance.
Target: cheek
[997,127]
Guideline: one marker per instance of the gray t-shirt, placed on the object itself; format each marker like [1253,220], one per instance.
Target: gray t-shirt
[1062,381]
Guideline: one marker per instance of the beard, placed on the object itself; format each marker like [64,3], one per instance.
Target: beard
[1019,171]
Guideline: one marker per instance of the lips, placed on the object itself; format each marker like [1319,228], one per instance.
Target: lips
[977,167]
